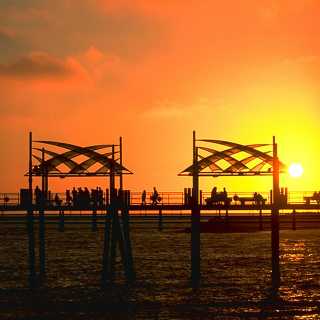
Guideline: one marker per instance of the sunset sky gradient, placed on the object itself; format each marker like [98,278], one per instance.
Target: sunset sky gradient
[88,71]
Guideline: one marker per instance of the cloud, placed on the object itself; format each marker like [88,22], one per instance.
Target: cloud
[38,65]
[76,25]
[10,44]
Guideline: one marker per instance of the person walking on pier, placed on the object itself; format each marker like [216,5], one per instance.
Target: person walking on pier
[155,196]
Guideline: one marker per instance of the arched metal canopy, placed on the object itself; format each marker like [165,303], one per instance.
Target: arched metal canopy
[236,160]
[57,163]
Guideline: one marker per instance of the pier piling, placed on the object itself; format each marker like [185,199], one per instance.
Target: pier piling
[30,224]
[275,221]
[160,220]
[195,221]
[42,245]
[94,226]
[61,220]
[294,219]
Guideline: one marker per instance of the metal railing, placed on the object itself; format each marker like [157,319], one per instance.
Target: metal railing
[167,198]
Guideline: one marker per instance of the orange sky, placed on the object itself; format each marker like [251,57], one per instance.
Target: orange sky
[86,72]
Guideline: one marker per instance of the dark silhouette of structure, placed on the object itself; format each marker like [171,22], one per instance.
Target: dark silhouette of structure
[115,232]
[224,163]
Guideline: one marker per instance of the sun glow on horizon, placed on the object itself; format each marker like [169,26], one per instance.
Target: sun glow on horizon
[296,170]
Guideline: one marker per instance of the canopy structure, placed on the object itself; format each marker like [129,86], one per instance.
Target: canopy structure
[76,161]
[233,160]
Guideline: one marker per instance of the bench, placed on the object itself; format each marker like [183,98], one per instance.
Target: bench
[311,198]
[251,200]
[218,200]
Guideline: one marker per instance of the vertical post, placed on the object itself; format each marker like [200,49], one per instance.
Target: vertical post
[124,234]
[121,177]
[42,252]
[275,220]
[94,219]
[30,224]
[107,260]
[260,220]
[195,220]
[189,196]
[294,219]
[61,220]
[160,220]
[114,213]
[130,273]
[112,177]
[107,197]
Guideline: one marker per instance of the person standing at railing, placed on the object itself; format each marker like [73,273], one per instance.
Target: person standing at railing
[74,197]
[213,193]
[38,194]
[143,198]
[68,198]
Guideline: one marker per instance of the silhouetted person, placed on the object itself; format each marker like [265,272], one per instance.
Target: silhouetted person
[68,197]
[80,197]
[86,197]
[213,192]
[258,199]
[225,193]
[74,197]
[143,197]
[155,196]
[57,200]
[94,197]
[100,197]
[37,193]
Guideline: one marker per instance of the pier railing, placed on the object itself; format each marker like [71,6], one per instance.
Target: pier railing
[167,198]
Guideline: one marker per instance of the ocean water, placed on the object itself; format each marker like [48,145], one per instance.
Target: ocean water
[236,272]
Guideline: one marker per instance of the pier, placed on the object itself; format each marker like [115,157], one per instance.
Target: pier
[117,208]
[171,203]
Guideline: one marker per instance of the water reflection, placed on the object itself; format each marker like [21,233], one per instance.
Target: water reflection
[236,272]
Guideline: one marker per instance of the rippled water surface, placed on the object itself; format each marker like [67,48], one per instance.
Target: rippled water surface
[236,270]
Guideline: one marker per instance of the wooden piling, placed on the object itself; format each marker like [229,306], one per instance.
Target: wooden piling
[30,224]
[275,221]
[160,220]
[195,221]
[61,220]
[294,219]
[94,226]
[130,272]
[106,272]
[42,246]
[260,220]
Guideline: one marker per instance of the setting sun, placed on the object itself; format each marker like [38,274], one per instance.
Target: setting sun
[295,170]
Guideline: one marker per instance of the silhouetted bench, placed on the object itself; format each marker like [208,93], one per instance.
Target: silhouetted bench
[218,199]
[312,198]
[251,200]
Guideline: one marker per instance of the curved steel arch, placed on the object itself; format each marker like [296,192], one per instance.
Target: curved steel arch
[79,168]
[240,167]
